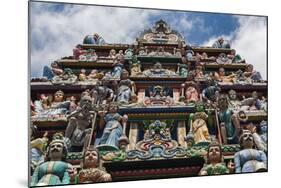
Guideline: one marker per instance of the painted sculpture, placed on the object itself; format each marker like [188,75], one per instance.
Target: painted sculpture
[249,159]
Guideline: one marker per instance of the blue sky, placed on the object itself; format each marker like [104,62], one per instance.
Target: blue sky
[57,28]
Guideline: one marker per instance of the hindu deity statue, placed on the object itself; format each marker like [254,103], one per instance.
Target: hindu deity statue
[102,94]
[234,104]
[112,128]
[158,71]
[252,74]
[95,75]
[55,171]
[66,78]
[125,91]
[118,67]
[77,133]
[112,54]
[258,141]
[251,103]
[198,125]
[229,122]
[215,164]
[54,70]
[191,93]
[58,107]
[234,57]
[221,43]
[38,149]
[221,77]
[143,51]
[91,56]
[263,130]
[120,55]
[177,52]
[136,69]
[223,59]
[82,75]
[189,53]
[94,39]
[91,171]
[78,51]
[249,159]
[182,70]
[211,92]
[198,72]
[129,52]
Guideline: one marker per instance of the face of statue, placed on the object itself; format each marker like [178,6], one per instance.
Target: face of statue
[58,97]
[56,151]
[232,95]
[221,72]
[247,140]
[214,154]
[91,159]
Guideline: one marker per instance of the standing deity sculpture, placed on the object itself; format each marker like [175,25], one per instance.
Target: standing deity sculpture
[125,91]
[129,52]
[249,159]
[229,122]
[110,122]
[182,70]
[91,172]
[102,94]
[77,133]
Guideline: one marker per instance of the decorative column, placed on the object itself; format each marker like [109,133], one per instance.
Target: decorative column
[133,136]
[181,133]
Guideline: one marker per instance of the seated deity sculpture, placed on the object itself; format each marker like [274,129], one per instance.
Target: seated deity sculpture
[94,39]
[229,122]
[129,52]
[233,103]
[252,74]
[91,171]
[211,93]
[120,55]
[198,126]
[221,77]
[117,70]
[158,96]
[189,53]
[82,75]
[177,52]
[251,103]
[66,78]
[191,93]
[78,51]
[221,43]
[198,72]
[158,71]
[112,54]
[215,164]
[55,171]
[91,56]
[223,59]
[249,159]
[38,147]
[182,70]
[235,58]
[58,107]
[110,123]
[136,69]
[143,51]
[95,75]
[54,70]
[125,91]
[102,94]
[77,133]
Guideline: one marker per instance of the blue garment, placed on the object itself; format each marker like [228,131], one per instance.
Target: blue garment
[48,73]
[248,160]
[117,70]
[89,39]
[111,137]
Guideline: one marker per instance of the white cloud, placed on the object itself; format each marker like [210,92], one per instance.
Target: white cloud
[250,41]
[55,34]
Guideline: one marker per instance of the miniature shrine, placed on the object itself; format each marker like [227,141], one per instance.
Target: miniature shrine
[157,108]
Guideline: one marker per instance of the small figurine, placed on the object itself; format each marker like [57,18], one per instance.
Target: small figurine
[249,159]
[215,164]
[235,58]
[189,53]
[198,73]
[66,78]
[112,54]
[221,43]
[211,93]
[183,70]
[55,70]
[250,73]
[221,77]
[191,93]
[82,75]
[55,171]
[91,172]
[143,51]
[136,69]
[78,51]
[91,56]
[259,142]
[102,94]
[129,52]
[94,39]
[124,92]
